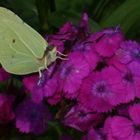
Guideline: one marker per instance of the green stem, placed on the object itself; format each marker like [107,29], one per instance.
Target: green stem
[57,129]
[44,8]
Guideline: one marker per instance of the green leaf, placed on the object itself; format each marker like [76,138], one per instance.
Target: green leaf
[134,31]
[125,15]
[27,10]
[57,19]
[44,8]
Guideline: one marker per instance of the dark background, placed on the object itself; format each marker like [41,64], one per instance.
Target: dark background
[47,16]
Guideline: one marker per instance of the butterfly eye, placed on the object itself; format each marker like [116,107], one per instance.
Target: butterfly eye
[49,48]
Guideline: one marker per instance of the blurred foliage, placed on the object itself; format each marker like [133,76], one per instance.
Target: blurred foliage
[47,16]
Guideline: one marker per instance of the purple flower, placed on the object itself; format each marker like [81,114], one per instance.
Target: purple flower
[87,49]
[53,100]
[101,90]
[71,73]
[129,84]
[6,111]
[109,42]
[93,135]
[65,137]
[122,110]
[119,127]
[67,33]
[134,66]
[124,128]
[4,75]
[80,119]
[40,88]
[134,113]
[32,117]
[130,75]
[83,28]
[129,51]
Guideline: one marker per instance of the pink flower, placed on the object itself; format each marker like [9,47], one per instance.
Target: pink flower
[40,88]
[83,27]
[87,49]
[65,137]
[53,100]
[109,43]
[71,73]
[128,85]
[67,33]
[128,52]
[122,110]
[80,119]
[32,117]
[6,108]
[119,128]
[93,135]
[4,75]
[134,113]
[130,80]
[134,66]
[122,128]
[101,90]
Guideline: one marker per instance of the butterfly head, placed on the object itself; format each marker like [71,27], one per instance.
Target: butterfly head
[51,54]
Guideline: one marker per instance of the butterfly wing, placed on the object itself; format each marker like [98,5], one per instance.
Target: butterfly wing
[7,14]
[21,47]
[18,63]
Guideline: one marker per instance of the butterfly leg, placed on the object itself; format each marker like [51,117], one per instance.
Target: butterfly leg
[62,58]
[61,53]
[46,64]
[41,76]
[40,71]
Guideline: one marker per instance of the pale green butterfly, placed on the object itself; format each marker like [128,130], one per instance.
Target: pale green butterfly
[22,49]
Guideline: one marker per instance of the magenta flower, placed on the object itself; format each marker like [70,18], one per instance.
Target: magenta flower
[40,88]
[101,90]
[134,66]
[53,100]
[129,51]
[122,110]
[134,113]
[93,135]
[83,28]
[109,43]
[124,128]
[130,75]
[67,33]
[119,128]
[87,49]
[39,92]
[71,73]
[4,75]
[82,120]
[32,117]
[65,137]
[128,85]
[6,111]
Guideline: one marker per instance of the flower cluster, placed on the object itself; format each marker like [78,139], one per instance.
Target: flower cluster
[97,83]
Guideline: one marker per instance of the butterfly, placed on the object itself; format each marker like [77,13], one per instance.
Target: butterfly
[22,49]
